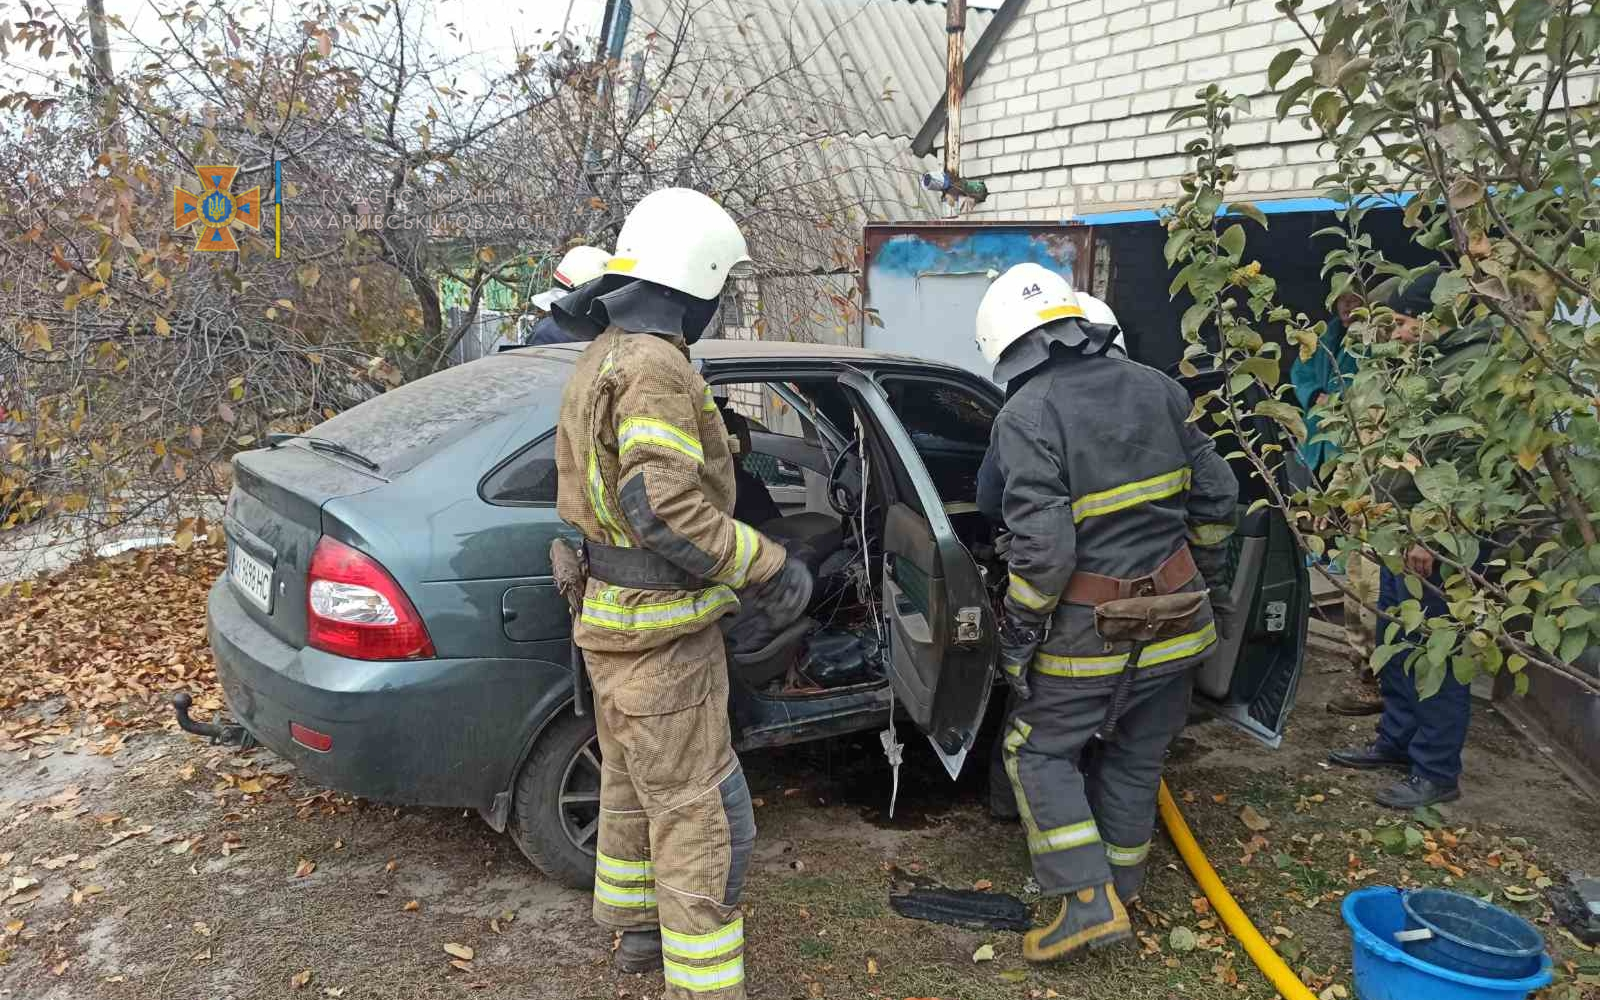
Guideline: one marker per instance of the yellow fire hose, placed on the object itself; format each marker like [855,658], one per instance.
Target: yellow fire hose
[1288,984]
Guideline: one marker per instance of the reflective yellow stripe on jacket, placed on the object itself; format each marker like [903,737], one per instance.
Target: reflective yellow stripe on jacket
[596,488]
[1133,494]
[1154,655]
[1025,594]
[637,431]
[745,543]
[604,613]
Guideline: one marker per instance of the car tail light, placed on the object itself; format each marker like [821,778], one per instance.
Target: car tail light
[354,608]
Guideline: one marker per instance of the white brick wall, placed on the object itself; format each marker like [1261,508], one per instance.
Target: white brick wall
[1070,115]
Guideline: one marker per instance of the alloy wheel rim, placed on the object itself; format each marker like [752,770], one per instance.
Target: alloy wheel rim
[579,805]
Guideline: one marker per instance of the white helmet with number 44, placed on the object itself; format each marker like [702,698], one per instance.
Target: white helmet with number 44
[1020,301]
[683,240]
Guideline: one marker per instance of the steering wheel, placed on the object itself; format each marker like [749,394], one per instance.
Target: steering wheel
[842,497]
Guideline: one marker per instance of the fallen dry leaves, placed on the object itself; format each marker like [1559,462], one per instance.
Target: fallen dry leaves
[109,632]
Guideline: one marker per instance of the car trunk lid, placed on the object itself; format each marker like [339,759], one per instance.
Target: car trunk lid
[273,522]
[277,511]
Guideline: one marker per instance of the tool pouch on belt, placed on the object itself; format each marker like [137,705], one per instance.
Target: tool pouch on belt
[1139,621]
[1147,619]
[571,573]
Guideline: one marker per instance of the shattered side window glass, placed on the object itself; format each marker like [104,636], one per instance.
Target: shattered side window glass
[949,426]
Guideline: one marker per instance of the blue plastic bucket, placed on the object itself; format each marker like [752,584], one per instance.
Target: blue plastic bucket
[1471,936]
[1383,971]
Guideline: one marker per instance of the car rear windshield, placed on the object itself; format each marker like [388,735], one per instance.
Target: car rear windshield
[405,425]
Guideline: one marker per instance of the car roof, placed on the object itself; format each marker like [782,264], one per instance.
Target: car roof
[765,350]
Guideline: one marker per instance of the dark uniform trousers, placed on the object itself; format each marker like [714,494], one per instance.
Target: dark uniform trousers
[1081,822]
[1430,733]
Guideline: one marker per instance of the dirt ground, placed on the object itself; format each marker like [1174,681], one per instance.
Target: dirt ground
[147,864]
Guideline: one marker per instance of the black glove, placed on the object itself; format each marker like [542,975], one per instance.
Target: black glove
[1002,546]
[1211,561]
[785,596]
[766,609]
[1018,642]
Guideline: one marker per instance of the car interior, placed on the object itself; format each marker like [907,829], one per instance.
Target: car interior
[843,503]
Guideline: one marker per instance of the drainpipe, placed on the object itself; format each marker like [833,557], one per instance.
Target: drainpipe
[956,29]
[948,181]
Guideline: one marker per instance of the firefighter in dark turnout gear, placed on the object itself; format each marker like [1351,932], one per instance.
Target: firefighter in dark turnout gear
[1120,512]
[646,475]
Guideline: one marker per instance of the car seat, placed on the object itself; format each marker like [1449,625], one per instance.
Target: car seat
[761,667]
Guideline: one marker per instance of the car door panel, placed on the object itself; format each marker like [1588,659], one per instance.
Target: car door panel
[911,590]
[942,633]
[1251,679]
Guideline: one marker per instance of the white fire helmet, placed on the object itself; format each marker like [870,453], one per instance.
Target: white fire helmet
[1098,312]
[683,240]
[1020,301]
[578,266]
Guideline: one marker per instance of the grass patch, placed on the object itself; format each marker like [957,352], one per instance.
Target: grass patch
[815,948]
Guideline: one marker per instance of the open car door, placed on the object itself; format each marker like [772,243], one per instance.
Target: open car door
[941,632]
[1252,678]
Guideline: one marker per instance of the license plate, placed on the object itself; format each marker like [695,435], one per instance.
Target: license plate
[252,578]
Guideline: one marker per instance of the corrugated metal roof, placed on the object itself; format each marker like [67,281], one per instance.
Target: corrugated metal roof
[870,67]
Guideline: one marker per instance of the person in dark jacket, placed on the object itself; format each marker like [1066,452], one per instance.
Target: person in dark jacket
[1119,510]
[1420,736]
[752,503]
[579,266]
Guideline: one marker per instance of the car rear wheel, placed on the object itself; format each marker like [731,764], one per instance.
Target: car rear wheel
[556,813]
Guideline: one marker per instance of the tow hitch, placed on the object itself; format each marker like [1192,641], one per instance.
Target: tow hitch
[219,735]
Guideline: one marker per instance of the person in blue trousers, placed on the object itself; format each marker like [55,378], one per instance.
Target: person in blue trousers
[1422,737]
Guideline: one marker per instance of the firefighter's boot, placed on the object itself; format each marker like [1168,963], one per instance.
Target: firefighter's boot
[1090,919]
[640,951]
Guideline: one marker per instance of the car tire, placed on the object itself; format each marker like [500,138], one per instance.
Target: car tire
[557,800]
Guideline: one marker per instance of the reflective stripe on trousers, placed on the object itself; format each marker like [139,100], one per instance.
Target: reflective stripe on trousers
[1154,655]
[1061,838]
[704,979]
[723,941]
[630,885]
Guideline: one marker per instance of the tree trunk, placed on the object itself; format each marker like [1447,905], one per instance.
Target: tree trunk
[100,74]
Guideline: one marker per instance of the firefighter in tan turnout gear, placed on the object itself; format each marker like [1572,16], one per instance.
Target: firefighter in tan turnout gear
[646,475]
[1120,513]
